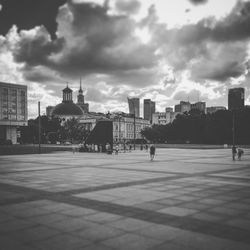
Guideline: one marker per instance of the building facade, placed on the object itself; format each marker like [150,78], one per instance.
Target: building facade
[127,128]
[134,106]
[49,110]
[213,109]
[201,106]
[163,118]
[148,109]
[236,98]
[67,109]
[13,110]
[182,107]
[169,109]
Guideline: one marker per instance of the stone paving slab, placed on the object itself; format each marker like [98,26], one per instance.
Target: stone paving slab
[185,199]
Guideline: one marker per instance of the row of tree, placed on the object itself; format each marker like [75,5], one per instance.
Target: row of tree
[197,127]
[191,127]
[53,130]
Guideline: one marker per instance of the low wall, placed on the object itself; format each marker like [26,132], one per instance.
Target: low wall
[34,149]
[31,149]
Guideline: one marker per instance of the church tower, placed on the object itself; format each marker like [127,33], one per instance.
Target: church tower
[80,99]
[67,95]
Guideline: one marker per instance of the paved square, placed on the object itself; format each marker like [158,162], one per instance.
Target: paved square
[184,199]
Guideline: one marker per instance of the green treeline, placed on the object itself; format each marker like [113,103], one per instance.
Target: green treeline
[199,128]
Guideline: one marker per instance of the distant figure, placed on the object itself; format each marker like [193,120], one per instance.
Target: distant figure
[234,152]
[116,149]
[130,148]
[73,148]
[141,147]
[240,152]
[152,152]
[146,147]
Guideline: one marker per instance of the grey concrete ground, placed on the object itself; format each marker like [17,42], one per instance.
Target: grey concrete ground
[184,199]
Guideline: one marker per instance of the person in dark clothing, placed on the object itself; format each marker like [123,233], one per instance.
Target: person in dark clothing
[240,153]
[234,152]
[152,152]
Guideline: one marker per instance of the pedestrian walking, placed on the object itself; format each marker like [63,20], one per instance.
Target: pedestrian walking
[240,153]
[116,149]
[152,152]
[234,152]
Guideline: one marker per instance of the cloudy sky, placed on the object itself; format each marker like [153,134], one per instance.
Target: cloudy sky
[160,49]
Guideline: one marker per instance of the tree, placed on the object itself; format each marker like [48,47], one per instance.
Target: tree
[197,127]
[73,131]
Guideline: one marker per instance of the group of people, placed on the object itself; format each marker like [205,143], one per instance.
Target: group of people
[237,151]
[151,150]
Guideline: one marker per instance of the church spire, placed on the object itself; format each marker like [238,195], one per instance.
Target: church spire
[80,90]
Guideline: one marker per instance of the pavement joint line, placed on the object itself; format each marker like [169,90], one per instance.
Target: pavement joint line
[219,228]
[30,191]
[174,176]
[186,223]
[103,166]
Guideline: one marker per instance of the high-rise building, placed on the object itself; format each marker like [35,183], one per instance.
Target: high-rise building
[13,110]
[134,106]
[80,100]
[163,118]
[201,106]
[182,107]
[169,109]
[49,110]
[148,109]
[236,98]
[213,109]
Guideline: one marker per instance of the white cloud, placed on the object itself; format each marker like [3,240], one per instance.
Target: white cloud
[161,52]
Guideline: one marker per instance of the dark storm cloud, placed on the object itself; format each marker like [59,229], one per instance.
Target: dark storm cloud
[88,40]
[236,26]
[40,74]
[210,49]
[29,13]
[221,71]
[35,47]
[198,1]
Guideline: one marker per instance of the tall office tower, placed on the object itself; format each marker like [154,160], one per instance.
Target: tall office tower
[182,107]
[169,109]
[13,110]
[201,106]
[134,106]
[49,110]
[213,109]
[236,98]
[149,109]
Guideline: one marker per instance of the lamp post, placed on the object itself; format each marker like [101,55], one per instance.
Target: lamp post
[233,128]
[9,117]
[134,129]
[39,128]
[119,128]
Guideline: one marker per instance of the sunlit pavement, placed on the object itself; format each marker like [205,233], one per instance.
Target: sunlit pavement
[184,199]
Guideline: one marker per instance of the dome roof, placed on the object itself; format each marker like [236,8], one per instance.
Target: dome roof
[67,90]
[67,108]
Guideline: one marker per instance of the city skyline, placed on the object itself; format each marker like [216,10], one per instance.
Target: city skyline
[166,52]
